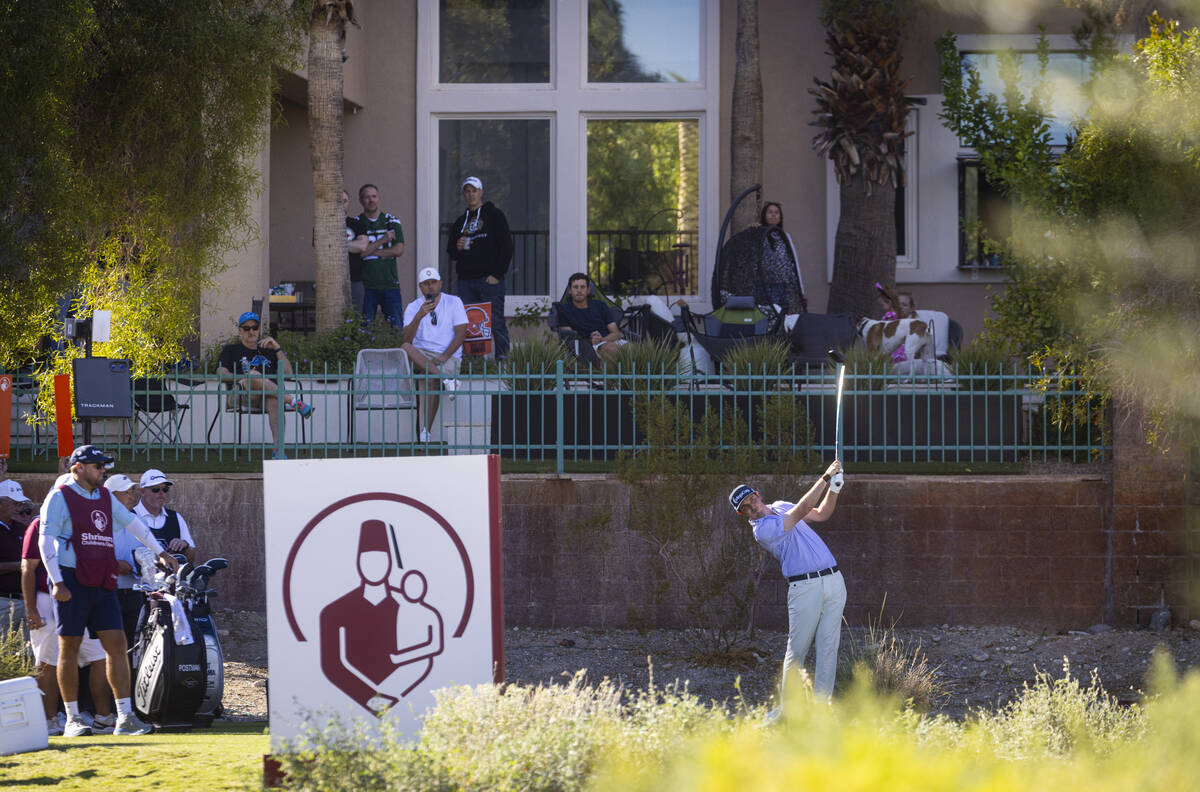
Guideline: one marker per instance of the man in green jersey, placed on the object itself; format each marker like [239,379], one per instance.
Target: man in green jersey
[381,285]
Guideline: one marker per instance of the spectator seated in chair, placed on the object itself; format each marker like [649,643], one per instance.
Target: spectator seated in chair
[252,363]
[590,318]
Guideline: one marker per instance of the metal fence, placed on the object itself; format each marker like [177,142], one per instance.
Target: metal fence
[559,418]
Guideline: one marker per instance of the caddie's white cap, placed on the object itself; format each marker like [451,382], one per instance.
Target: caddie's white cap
[473,181]
[12,490]
[428,273]
[153,476]
[119,483]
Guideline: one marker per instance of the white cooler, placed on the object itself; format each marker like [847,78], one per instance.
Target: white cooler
[22,719]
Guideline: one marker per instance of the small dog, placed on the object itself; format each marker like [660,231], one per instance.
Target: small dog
[889,336]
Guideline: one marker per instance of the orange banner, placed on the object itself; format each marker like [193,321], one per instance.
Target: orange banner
[6,412]
[479,329]
[62,415]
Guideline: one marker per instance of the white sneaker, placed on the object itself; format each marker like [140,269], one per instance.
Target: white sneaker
[53,727]
[76,728]
[103,725]
[424,435]
[130,726]
[86,718]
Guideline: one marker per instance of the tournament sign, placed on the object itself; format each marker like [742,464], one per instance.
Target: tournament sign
[383,585]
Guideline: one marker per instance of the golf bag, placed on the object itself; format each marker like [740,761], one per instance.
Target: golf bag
[177,682]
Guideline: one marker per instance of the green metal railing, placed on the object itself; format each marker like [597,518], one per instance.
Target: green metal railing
[556,417]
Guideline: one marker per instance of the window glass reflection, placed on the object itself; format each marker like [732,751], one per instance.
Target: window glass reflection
[643,41]
[512,158]
[494,41]
[643,203]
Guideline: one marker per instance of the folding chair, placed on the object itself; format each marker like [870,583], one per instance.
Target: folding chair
[383,380]
[157,414]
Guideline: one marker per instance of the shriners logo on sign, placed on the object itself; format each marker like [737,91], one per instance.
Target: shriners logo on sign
[381,637]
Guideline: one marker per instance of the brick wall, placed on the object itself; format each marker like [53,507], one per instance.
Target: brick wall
[1030,550]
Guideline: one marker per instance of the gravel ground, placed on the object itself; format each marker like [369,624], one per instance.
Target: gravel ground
[976,666]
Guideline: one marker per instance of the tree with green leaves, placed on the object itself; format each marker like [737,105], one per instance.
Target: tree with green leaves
[862,114]
[127,160]
[1104,263]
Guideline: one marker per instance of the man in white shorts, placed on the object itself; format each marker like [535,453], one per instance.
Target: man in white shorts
[435,326]
[42,618]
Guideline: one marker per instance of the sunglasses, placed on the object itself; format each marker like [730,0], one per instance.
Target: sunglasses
[248,328]
[163,488]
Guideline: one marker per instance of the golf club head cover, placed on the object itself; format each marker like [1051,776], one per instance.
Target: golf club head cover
[835,483]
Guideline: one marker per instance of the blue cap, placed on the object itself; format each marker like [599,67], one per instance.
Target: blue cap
[739,494]
[248,315]
[87,454]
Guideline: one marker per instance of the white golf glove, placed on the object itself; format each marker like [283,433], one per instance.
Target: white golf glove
[835,483]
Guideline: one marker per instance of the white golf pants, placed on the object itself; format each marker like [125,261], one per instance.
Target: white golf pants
[815,610]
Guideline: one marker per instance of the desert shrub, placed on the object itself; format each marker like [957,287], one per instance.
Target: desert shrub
[1052,717]
[647,364]
[757,363]
[895,669]
[533,362]
[787,434]
[506,737]
[15,659]
[866,369]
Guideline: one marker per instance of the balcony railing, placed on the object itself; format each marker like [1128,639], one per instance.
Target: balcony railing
[559,419]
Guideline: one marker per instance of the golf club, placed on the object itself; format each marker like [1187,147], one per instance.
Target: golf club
[837,357]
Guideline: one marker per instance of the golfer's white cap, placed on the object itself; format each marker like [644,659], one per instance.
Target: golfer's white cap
[12,490]
[119,483]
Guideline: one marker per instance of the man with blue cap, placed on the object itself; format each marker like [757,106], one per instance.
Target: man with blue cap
[78,522]
[816,590]
[252,362]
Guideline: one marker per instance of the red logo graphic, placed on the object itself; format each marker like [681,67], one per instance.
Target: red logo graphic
[379,641]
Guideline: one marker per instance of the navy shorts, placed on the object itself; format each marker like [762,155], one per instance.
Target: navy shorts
[93,608]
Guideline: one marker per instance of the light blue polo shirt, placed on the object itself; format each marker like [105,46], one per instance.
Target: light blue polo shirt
[56,520]
[799,551]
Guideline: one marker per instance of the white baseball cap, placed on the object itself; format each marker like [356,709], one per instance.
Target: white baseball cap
[154,476]
[473,181]
[428,273]
[119,483]
[12,490]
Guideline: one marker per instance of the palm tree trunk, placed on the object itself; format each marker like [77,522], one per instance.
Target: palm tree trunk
[745,155]
[326,37]
[865,247]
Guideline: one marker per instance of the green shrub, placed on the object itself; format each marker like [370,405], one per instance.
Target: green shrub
[895,670]
[866,369]
[646,364]
[787,434]
[534,360]
[757,362]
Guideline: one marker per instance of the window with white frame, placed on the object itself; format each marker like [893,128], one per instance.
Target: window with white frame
[984,211]
[592,130]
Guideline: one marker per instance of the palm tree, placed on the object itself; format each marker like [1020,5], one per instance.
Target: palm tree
[326,48]
[746,142]
[862,112]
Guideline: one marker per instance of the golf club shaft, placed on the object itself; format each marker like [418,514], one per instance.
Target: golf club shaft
[837,430]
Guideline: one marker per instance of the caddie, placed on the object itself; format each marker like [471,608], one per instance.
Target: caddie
[78,520]
[816,590]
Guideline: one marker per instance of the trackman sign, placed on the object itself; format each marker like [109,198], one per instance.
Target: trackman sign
[383,585]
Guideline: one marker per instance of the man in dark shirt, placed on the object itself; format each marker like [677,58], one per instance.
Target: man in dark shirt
[590,318]
[12,502]
[481,246]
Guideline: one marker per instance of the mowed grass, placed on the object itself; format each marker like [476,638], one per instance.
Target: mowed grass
[226,756]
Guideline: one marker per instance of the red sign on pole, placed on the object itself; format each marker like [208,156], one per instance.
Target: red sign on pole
[479,329]
[62,415]
[6,413]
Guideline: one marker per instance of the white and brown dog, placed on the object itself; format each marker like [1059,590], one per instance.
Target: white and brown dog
[887,336]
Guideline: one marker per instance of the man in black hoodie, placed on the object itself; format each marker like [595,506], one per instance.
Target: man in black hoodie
[481,248]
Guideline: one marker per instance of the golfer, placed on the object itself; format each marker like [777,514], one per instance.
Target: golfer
[816,590]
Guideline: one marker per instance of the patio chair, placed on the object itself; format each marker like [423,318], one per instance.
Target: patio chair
[383,380]
[239,402]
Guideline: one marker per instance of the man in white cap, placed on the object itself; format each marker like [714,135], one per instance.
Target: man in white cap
[127,492]
[167,525]
[481,247]
[12,605]
[816,590]
[78,522]
[435,326]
